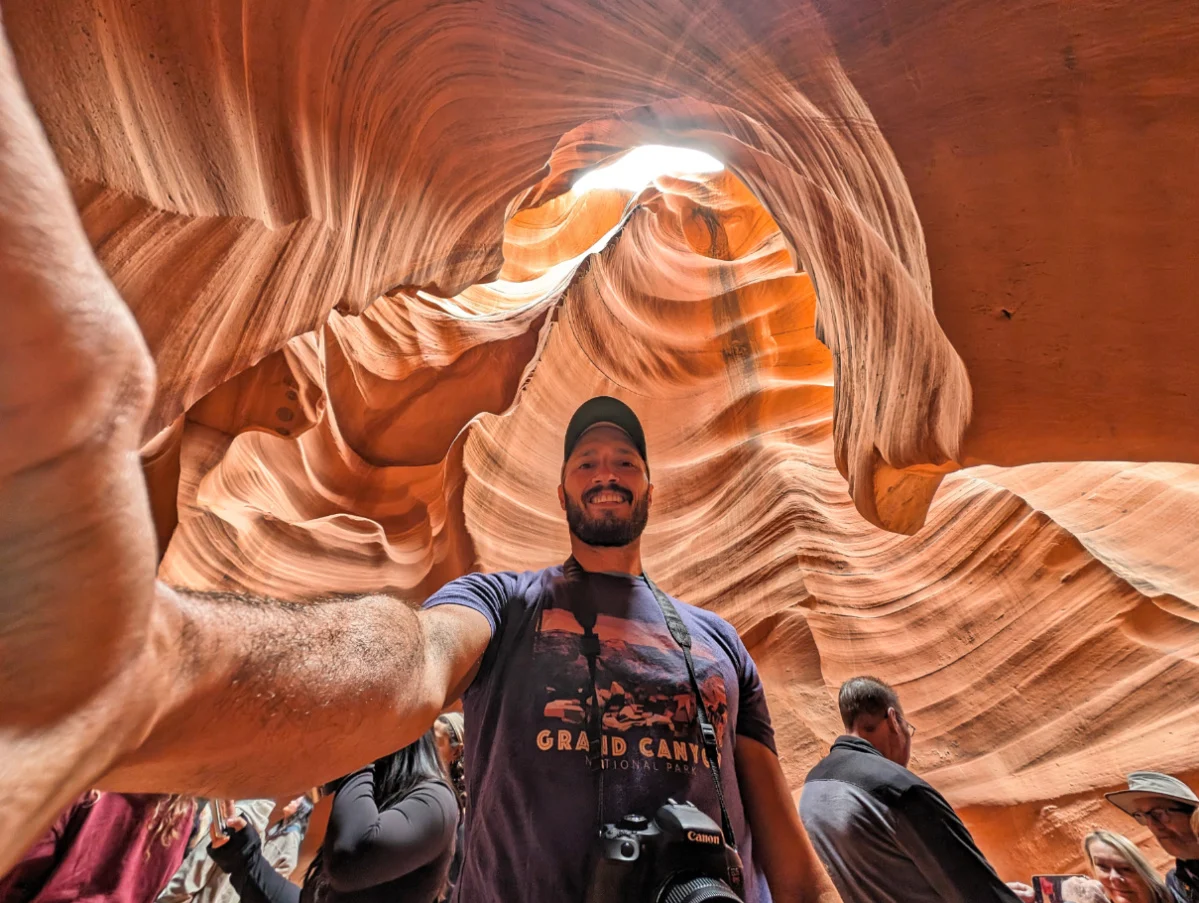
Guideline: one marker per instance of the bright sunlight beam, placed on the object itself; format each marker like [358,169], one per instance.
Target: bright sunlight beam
[640,166]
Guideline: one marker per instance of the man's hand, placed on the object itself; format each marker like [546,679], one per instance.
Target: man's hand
[781,844]
[79,638]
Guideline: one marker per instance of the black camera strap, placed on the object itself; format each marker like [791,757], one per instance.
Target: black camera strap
[707,731]
[589,645]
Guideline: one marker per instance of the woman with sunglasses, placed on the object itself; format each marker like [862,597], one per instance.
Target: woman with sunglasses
[449,729]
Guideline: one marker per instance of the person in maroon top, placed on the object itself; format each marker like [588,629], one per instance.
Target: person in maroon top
[110,847]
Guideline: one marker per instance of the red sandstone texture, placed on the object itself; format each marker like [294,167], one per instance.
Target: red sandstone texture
[952,235]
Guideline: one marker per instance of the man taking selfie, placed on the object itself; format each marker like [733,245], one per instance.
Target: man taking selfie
[577,692]
[534,795]
[529,654]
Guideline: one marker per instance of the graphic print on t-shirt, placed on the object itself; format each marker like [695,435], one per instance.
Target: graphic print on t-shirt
[644,693]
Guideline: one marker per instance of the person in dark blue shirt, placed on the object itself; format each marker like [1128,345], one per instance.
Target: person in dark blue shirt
[546,751]
[534,800]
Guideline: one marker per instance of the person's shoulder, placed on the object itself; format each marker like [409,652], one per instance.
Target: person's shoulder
[921,799]
[437,795]
[434,790]
[899,777]
[497,586]
[704,616]
[866,770]
[516,581]
[713,625]
[841,786]
[717,632]
[830,795]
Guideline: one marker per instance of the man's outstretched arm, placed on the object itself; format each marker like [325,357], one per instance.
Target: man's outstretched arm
[106,676]
[266,697]
[77,553]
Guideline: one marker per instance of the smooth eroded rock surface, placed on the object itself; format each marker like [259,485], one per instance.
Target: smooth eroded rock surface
[949,235]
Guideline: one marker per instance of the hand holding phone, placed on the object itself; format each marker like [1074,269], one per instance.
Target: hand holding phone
[1048,888]
[1024,893]
[225,821]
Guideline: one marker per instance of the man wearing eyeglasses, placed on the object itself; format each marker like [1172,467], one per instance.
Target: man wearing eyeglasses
[883,834]
[1165,805]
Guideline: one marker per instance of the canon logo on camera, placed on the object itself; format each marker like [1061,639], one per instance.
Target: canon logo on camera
[697,837]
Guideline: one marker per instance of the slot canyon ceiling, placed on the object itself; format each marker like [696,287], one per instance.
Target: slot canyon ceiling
[952,254]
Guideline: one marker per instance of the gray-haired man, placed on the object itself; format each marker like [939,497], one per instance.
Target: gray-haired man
[1165,805]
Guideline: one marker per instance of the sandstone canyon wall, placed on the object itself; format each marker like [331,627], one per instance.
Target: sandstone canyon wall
[950,236]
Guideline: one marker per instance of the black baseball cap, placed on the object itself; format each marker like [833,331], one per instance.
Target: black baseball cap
[605,409]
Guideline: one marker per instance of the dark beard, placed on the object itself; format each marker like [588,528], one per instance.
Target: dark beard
[607,532]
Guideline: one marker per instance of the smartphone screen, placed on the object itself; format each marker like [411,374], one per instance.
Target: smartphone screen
[1048,888]
[218,816]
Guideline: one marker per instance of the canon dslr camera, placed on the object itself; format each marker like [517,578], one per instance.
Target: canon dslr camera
[679,857]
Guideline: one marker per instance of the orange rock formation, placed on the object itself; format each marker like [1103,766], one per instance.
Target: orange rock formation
[305,206]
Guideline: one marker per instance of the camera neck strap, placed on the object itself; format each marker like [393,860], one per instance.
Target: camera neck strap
[590,647]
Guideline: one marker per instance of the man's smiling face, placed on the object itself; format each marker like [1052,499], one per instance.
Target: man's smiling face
[605,489]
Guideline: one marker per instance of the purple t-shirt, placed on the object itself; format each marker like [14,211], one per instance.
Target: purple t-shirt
[531,812]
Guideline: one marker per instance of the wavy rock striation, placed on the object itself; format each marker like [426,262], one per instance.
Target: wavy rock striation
[248,191]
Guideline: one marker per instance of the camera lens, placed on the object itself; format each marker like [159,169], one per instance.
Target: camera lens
[699,890]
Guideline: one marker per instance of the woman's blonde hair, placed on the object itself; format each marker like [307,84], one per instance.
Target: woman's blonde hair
[1134,857]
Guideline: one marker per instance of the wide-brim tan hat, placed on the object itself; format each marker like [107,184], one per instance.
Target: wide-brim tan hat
[1144,785]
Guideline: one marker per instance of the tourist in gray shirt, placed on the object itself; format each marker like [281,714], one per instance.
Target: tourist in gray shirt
[883,834]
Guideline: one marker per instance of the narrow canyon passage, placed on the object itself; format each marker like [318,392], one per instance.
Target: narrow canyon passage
[914,363]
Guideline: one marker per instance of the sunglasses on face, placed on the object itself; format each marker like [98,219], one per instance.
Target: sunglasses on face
[1160,814]
[455,738]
